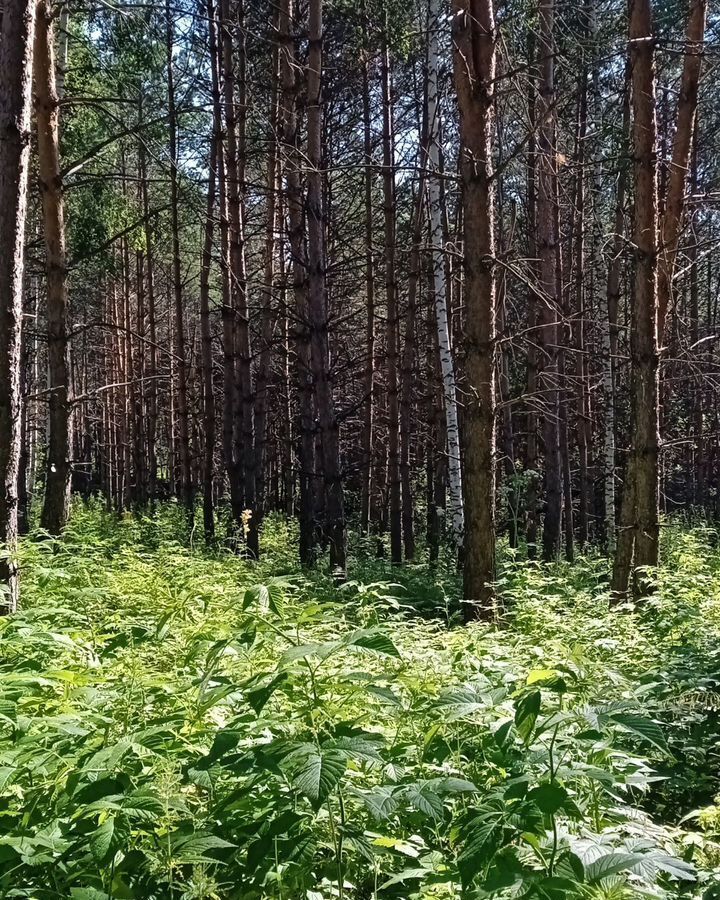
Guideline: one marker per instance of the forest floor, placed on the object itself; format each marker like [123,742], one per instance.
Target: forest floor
[178,724]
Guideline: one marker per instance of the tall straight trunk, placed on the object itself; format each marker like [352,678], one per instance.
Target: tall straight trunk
[56,506]
[434,460]
[246,448]
[269,315]
[609,330]
[584,432]
[699,455]
[369,386]
[228,316]
[393,324]
[410,353]
[24,478]
[563,333]
[329,427]
[455,491]
[150,353]
[508,441]
[139,378]
[186,484]
[531,449]
[208,393]
[130,386]
[217,163]
[407,370]
[29,448]
[680,164]
[547,245]
[474,59]
[16,51]
[640,495]
[285,432]
[291,93]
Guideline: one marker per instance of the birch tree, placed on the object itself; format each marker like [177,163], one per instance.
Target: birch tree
[455,494]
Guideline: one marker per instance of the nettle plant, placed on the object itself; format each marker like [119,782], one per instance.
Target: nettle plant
[168,732]
[352,781]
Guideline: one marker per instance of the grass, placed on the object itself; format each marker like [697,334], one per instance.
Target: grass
[177,724]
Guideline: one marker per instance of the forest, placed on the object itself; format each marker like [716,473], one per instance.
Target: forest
[359,419]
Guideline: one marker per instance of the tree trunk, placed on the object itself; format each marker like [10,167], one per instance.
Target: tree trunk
[531,449]
[150,352]
[269,316]
[455,490]
[682,143]
[246,448]
[16,50]
[329,428]
[584,434]
[640,496]
[291,94]
[369,383]
[474,59]
[609,330]
[186,484]
[547,241]
[393,330]
[407,380]
[208,394]
[56,506]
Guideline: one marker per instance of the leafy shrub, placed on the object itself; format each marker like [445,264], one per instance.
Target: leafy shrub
[184,725]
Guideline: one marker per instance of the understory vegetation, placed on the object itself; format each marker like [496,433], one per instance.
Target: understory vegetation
[179,724]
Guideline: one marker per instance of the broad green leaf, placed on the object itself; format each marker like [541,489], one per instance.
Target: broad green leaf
[610,864]
[641,727]
[425,799]
[102,839]
[259,696]
[380,802]
[194,848]
[527,710]
[372,639]
[318,773]
[677,868]
[549,798]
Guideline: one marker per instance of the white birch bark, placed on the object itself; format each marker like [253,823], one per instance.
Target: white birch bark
[455,497]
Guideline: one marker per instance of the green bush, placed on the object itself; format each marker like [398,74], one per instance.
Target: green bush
[183,724]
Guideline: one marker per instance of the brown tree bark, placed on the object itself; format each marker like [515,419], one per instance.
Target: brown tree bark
[208,393]
[393,319]
[640,494]
[245,451]
[17,25]
[291,93]
[56,505]
[675,199]
[474,65]
[609,343]
[369,379]
[269,314]
[150,353]
[406,377]
[550,304]
[531,448]
[329,427]
[584,428]
[186,483]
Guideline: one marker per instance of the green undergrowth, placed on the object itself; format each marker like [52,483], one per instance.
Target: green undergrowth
[177,724]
